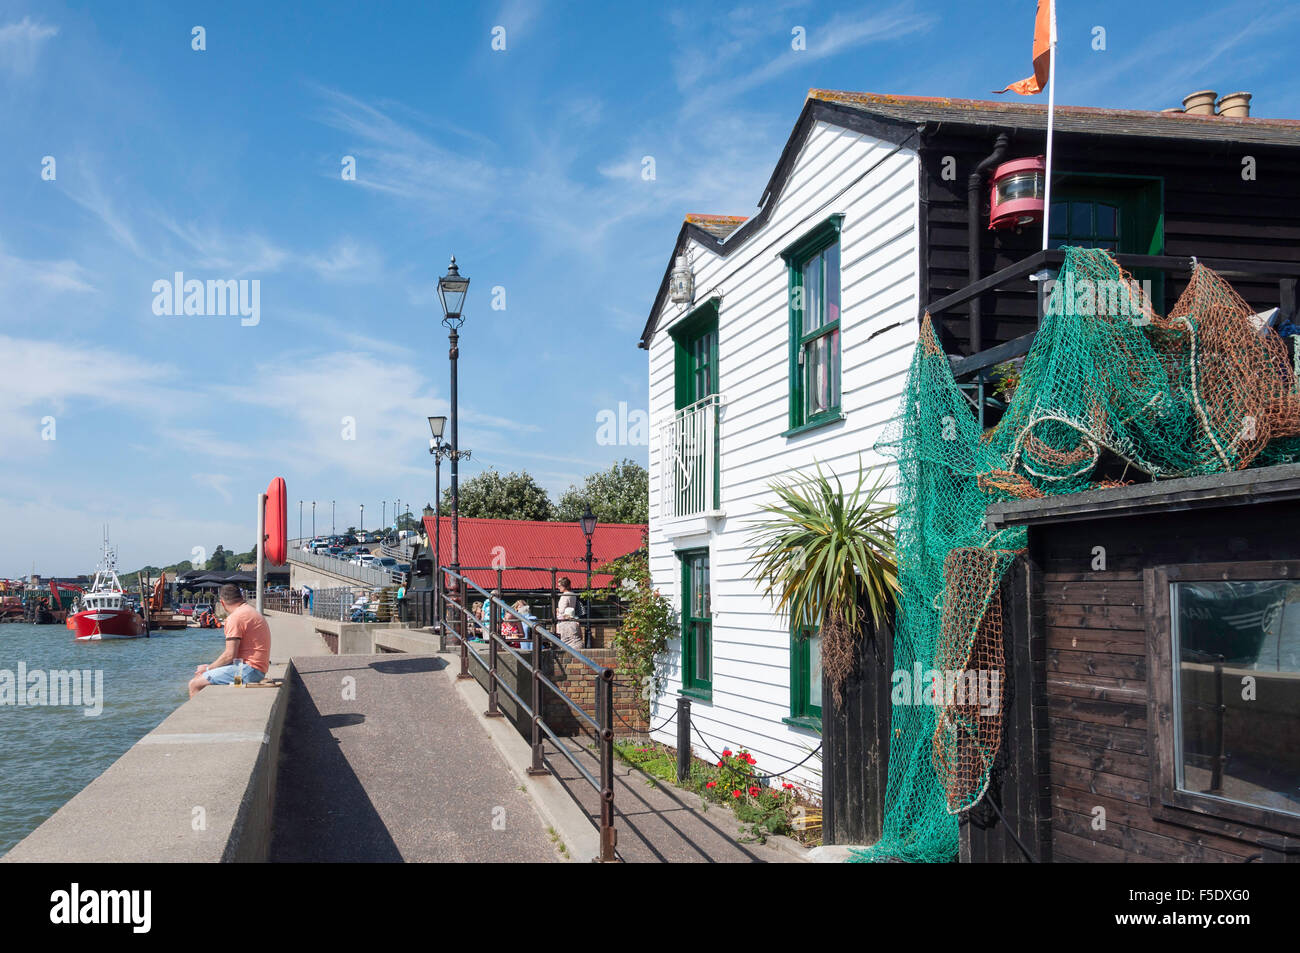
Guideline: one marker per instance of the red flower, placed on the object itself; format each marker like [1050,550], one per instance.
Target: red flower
[750,758]
[719,764]
[726,752]
[754,792]
[788,787]
[735,794]
[711,784]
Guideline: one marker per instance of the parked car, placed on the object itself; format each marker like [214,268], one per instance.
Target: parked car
[387,563]
[363,559]
[403,567]
[186,608]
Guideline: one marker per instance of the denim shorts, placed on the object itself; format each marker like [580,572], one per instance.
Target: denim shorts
[226,675]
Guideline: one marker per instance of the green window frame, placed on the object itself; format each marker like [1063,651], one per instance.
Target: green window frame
[697,625]
[805,678]
[813,275]
[695,355]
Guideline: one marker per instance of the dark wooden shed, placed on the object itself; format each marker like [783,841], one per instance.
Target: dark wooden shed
[1153,674]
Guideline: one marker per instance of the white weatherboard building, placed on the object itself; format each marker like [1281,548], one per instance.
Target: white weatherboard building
[792,351]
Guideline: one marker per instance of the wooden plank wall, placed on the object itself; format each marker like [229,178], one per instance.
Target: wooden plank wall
[1210,211]
[1097,679]
[855,752]
[1020,786]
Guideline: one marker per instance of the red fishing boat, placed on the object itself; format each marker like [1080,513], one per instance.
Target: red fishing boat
[102,611]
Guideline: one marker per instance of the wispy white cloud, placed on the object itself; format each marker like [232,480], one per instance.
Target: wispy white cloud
[21,276]
[1162,66]
[21,44]
[737,63]
[218,483]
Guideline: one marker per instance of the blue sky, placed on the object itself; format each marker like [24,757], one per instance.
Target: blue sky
[526,163]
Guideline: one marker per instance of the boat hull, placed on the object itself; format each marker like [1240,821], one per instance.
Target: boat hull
[94,625]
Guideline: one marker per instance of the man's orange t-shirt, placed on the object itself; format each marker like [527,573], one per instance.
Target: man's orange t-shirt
[254,645]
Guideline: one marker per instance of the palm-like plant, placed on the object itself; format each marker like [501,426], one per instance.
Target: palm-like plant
[824,557]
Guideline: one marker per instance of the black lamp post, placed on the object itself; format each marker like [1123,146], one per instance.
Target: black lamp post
[439,450]
[452,289]
[313,519]
[588,529]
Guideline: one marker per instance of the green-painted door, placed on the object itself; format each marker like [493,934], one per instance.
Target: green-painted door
[1122,215]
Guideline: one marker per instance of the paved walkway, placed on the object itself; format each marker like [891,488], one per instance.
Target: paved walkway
[399,764]
[382,761]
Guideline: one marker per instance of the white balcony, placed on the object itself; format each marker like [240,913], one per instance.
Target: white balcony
[688,461]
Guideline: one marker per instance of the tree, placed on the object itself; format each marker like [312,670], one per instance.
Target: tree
[620,494]
[515,496]
[217,561]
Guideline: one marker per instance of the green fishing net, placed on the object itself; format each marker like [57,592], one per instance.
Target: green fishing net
[1110,393]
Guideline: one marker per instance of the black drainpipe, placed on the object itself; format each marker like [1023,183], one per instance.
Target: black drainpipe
[973,185]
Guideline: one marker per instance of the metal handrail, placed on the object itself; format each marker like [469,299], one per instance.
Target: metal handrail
[539,636]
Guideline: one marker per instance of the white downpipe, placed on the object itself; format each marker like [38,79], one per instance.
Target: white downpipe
[261,549]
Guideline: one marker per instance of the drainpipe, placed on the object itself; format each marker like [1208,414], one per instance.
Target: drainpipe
[973,185]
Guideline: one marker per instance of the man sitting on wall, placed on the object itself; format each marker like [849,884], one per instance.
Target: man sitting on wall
[248,638]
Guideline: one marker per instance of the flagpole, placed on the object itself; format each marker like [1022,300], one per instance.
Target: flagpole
[1051,110]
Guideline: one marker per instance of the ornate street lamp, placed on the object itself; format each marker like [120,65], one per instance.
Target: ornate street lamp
[588,522]
[452,290]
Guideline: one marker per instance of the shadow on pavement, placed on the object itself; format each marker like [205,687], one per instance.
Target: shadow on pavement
[322,813]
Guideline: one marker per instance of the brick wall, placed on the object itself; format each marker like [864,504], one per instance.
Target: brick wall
[576,680]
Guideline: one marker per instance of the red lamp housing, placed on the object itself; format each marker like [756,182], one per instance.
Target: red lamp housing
[1016,193]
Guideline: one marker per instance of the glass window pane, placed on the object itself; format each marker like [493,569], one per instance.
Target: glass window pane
[815,669]
[816,376]
[1080,220]
[1058,222]
[812,294]
[702,660]
[1107,221]
[822,373]
[1228,746]
[832,256]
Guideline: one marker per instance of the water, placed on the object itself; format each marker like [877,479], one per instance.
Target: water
[48,754]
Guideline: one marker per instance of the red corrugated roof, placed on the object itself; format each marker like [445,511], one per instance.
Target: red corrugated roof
[509,543]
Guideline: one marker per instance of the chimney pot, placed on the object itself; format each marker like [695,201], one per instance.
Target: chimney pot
[1235,105]
[1200,103]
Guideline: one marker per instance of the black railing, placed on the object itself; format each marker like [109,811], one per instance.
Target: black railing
[1285,272]
[602,612]
[453,615]
[977,366]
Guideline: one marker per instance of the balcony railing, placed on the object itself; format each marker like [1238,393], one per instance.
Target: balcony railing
[688,467]
[977,368]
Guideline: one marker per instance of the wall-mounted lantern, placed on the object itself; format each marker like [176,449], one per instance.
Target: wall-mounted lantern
[1017,193]
[681,283]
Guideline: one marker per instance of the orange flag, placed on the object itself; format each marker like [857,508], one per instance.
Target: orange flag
[1043,30]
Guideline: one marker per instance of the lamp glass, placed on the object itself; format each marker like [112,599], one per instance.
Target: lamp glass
[452,289]
[588,521]
[436,426]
